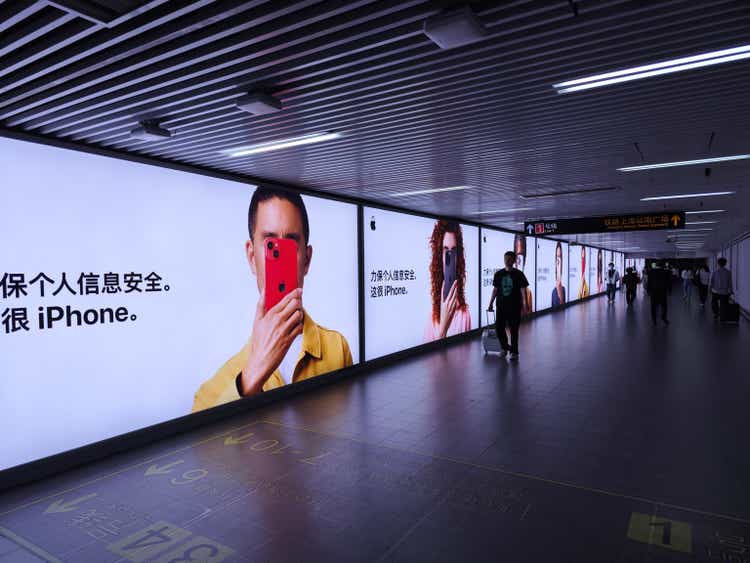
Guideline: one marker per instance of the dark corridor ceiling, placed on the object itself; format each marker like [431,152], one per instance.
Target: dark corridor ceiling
[411,116]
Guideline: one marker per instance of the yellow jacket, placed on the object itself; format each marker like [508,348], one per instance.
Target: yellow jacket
[323,350]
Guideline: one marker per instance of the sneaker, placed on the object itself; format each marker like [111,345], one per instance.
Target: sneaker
[503,353]
[514,355]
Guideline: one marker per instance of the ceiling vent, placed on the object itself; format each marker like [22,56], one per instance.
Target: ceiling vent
[454,28]
[150,131]
[258,103]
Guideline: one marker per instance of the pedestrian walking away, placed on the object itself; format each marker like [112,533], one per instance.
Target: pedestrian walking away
[613,278]
[631,281]
[509,296]
[687,284]
[721,288]
[659,289]
[704,279]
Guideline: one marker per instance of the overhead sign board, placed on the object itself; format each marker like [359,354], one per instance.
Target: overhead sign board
[607,224]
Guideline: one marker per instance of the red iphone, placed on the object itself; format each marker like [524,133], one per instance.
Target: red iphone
[281,269]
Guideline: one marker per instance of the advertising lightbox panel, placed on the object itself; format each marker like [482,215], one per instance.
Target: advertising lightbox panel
[578,281]
[407,259]
[596,270]
[551,274]
[130,294]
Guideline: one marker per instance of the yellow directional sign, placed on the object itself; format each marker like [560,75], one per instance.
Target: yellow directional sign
[662,532]
[231,440]
[607,224]
[67,506]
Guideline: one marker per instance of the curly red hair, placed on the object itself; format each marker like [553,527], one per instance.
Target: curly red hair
[436,265]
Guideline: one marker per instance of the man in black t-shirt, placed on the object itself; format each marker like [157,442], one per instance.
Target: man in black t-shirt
[508,284]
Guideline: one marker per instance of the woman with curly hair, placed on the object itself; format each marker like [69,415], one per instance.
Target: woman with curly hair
[450,313]
[558,292]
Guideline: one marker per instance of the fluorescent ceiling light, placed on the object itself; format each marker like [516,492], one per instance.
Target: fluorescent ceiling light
[684,196]
[433,191]
[700,222]
[655,69]
[507,210]
[282,144]
[707,211]
[684,163]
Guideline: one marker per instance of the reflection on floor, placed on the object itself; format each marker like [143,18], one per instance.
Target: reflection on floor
[610,440]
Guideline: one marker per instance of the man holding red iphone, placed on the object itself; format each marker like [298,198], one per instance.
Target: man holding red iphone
[285,345]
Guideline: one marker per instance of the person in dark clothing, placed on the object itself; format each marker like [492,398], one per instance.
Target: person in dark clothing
[509,286]
[631,281]
[659,287]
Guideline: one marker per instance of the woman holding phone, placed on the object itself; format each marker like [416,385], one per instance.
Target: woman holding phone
[450,314]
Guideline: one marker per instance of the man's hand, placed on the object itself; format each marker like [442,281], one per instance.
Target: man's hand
[448,307]
[273,333]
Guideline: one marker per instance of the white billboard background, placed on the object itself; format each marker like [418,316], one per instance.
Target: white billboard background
[76,213]
[577,273]
[545,272]
[401,242]
[593,254]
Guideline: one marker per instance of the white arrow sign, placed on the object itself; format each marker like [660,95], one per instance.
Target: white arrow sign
[530,229]
[69,506]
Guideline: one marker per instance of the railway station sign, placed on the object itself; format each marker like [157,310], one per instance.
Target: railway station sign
[607,224]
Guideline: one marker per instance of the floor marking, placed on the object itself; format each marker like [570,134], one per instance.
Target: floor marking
[124,469]
[27,545]
[514,473]
[662,532]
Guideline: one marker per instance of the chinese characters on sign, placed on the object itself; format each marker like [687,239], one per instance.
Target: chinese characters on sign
[642,222]
[380,281]
[16,286]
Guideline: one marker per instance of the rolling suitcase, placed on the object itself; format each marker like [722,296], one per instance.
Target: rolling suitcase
[490,343]
[731,313]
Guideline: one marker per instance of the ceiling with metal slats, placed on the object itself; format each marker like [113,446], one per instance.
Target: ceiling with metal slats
[411,116]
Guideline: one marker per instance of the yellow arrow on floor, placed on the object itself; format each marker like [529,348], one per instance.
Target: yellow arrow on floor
[163,470]
[69,506]
[231,440]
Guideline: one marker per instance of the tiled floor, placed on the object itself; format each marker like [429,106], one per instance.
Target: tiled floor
[610,440]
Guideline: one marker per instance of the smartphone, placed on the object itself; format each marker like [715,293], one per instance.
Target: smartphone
[449,271]
[281,269]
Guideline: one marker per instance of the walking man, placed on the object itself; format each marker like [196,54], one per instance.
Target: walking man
[509,290]
[631,281]
[613,278]
[721,288]
[659,288]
